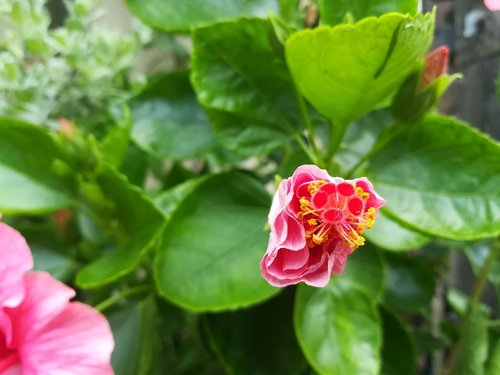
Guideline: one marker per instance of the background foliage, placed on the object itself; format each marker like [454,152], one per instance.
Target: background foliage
[151,196]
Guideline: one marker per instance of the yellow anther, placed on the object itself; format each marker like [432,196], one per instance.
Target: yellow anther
[315,185]
[319,239]
[304,203]
[361,193]
[312,222]
[355,240]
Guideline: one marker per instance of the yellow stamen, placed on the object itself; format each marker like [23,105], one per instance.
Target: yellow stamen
[312,222]
[315,185]
[361,193]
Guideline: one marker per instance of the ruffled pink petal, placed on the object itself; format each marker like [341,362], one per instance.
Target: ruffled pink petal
[45,298]
[16,259]
[76,342]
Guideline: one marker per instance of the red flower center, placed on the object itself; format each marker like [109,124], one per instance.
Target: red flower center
[335,211]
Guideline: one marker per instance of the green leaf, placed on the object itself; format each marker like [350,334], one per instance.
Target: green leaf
[115,144]
[138,223]
[398,351]
[169,200]
[333,11]
[409,285]
[478,253]
[473,345]
[392,235]
[441,177]
[269,345]
[212,245]
[171,15]
[137,344]
[347,70]
[32,170]
[168,122]
[338,329]
[365,268]
[253,110]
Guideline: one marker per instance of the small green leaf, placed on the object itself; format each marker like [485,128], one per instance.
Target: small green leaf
[333,11]
[212,245]
[253,110]
[391,235]
[168,122]
[115,144]
[473,345]
[398,351]
[137,344]
[269,345]
[137,220]
[31,170]
[171,15]
[441,177]
[338,329]
[366,269]
[409,285]
[347,70]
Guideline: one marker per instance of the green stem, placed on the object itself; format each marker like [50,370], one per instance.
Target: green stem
[121,295]
[475,298]
[385,137]
[337,133]
[310,128]
[310,154]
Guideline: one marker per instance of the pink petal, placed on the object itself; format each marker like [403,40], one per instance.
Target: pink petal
[16,259]
[76,342]
[492,5]
[45,298]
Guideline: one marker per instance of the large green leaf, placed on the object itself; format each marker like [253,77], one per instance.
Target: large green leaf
[338,329]
[278,353]
[441,177]
[347,70]
[137,344]
[212,245]
[398,351]
[252,106]
[136,220]
[167,120]
[171,15]
[409,285]
[333,11]
[366,269]
[30,170]
[392,235]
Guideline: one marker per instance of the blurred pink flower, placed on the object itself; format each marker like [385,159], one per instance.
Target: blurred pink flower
[316,222]
[436,65]
[41,332]
[492,5]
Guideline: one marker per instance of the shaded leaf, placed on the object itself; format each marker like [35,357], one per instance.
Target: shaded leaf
[253,110]
[441,177]
[338,329]
[212,245]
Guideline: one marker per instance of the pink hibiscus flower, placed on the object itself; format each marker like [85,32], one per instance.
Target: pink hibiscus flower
[41,332]
[316,222]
